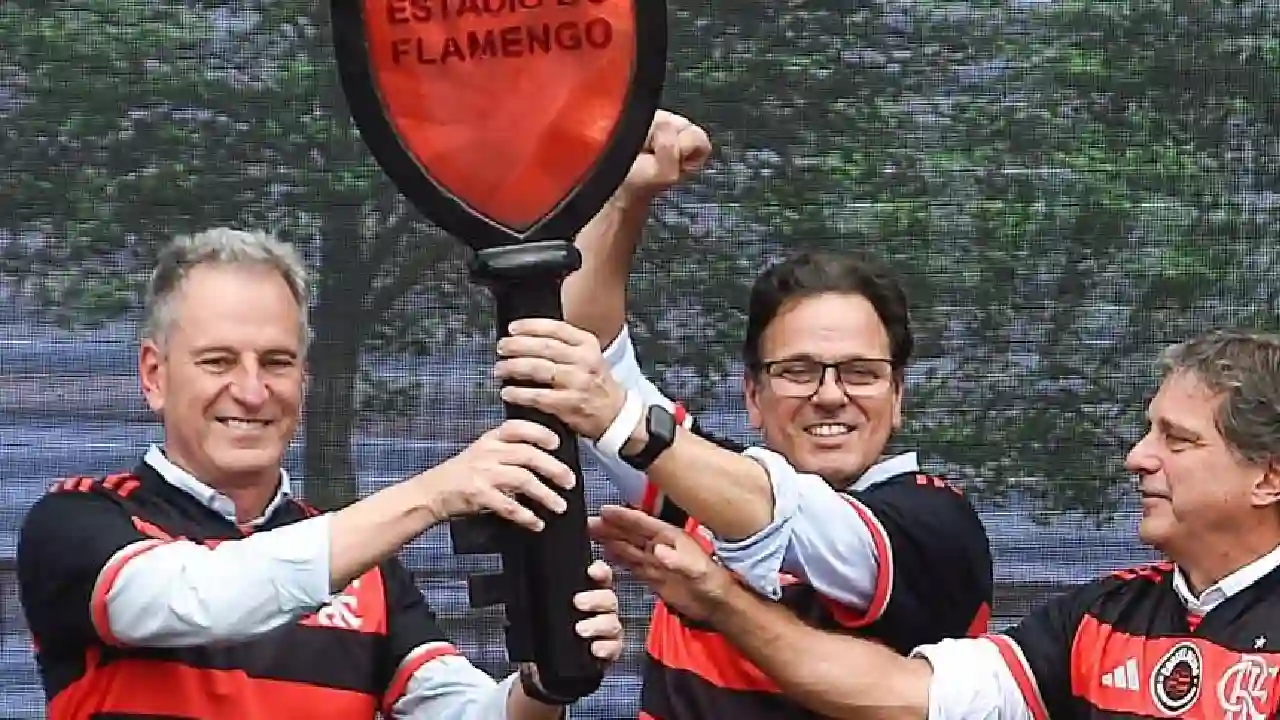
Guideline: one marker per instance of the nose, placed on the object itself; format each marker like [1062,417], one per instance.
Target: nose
[829,391]
[1141,458]
[249,385]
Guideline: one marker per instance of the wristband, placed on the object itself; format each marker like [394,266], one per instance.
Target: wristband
[533,689]
[611,442]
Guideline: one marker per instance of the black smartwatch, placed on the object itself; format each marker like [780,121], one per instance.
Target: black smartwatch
[660,426]
[533,689]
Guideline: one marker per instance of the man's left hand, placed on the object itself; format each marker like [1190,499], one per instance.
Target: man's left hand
[604,627]
[568,361]
[665,558]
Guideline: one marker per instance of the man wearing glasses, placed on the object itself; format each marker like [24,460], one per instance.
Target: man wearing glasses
[817,519]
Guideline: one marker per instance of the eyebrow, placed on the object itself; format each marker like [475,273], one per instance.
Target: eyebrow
[228,350]
[851,358]
[1168,426]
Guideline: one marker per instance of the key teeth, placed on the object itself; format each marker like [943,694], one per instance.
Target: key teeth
[475,536]
[486,590]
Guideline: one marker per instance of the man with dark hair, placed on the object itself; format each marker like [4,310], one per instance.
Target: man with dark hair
[198,586]
[816,518]
[1194,638]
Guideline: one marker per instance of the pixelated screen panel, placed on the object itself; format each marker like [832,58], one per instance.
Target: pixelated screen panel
[1064,187]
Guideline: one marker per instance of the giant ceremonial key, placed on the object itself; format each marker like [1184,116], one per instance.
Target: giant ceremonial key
[509,123]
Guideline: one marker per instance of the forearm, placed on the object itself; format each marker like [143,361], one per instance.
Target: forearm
[836,676]
[631,483]
[182,593]
[595,296]
[373,529]
[727,492]
[829,540]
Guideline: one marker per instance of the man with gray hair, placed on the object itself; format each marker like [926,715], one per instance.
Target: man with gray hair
[197,586]
[1198,637]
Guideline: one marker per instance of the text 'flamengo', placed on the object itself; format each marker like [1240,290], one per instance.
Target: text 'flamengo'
[510,41]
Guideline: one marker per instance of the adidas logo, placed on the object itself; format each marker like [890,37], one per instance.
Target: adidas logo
[1123,677]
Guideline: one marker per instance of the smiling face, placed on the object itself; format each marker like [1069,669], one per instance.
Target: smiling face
[1196,491]
[834,432]
[227,377]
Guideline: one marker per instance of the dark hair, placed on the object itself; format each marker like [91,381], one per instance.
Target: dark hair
[812,273]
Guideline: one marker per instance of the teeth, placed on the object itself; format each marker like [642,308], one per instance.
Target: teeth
[830,429]
[243,424]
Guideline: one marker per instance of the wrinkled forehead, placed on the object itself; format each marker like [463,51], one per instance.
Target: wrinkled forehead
[826,327]
[1184,401]
[236,310]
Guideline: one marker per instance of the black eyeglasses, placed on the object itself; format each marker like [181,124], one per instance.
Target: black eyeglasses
[801,377]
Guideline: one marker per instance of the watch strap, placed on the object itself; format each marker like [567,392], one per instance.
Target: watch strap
[532,690]
[619,431]
[660,426]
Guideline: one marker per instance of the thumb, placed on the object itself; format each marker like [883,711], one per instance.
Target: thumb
[672,560]
[694,148]
[666,155]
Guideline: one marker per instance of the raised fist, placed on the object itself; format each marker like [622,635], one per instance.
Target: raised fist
[674,149]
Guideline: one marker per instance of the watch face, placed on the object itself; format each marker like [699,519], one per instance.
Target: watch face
[669,424]
[660,425]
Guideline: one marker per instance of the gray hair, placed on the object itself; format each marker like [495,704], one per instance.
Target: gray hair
[1244,367]
[222,246]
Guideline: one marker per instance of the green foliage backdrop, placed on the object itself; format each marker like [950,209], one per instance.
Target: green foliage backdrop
[1065,185]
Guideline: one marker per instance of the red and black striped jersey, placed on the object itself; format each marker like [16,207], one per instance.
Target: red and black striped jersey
[1126,647]
[934,581]
[350,659]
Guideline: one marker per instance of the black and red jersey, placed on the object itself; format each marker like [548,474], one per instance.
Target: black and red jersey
[1126,647]
[934,582]
[348,660]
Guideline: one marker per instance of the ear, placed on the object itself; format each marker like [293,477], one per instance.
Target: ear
[1266,490]
[152,374]
[751,396]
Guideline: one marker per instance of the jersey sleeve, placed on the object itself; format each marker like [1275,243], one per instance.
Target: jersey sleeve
[89,569]
[907,557]
[971,680]
[71,544]
[934,576]
[428,677]
[414,639]
[1037,651]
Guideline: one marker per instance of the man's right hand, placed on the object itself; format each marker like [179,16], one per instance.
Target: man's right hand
[595,297]
[503,463]
[674,149]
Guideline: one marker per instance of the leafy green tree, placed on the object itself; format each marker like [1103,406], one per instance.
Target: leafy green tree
[1065,187]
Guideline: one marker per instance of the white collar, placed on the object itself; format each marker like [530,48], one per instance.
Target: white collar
[207,496]
[1218,592]
[885,469]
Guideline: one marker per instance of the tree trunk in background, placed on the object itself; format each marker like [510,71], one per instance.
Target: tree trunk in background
[331,421]
[332,414]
